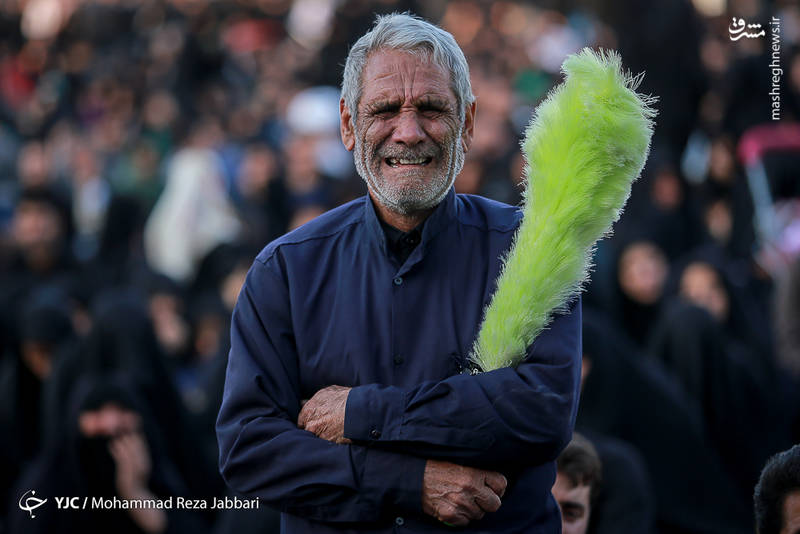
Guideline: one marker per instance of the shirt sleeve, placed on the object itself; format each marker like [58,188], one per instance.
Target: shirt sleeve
[520,416]
[264,454]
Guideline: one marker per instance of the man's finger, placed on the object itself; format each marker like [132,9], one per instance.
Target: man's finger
[497,482]
[452,516]
[467,505]
[471,509]
[488,500]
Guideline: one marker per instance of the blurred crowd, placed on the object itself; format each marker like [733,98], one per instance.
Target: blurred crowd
[149,149]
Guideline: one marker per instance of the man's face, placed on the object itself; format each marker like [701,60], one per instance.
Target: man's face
[791,513]
[574,503]
[409,138]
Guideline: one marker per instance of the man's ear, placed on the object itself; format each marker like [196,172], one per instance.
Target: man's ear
[469,125]
[346,126]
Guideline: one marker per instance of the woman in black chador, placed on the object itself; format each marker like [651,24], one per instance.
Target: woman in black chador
[107,447]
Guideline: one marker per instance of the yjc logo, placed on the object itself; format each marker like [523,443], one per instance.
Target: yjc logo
[29,504]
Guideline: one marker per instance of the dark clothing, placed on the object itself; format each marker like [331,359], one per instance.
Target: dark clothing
[626,502]
[745,420]
[326,305]
[122,341]
[45,321]
[262,520]
[78,466]
[401,244]
[635,399]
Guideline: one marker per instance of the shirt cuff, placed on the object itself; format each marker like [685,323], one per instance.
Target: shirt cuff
[374,413]
[398,477]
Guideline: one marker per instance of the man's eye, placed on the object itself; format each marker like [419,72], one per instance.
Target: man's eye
[384,110]
[431,108]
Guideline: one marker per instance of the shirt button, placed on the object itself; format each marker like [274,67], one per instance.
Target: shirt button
[398,281]
[399,521]
[398,360]
[375,434]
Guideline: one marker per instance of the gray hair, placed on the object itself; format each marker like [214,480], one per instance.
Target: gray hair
[403,31]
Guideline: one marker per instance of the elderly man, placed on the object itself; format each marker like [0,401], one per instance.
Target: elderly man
[369,312]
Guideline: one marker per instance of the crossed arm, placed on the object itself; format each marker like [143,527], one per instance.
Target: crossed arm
[385,448]
[451,493]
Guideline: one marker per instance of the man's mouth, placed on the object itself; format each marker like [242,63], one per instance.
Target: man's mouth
[399,162]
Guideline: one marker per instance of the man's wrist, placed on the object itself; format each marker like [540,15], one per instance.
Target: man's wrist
[374,413]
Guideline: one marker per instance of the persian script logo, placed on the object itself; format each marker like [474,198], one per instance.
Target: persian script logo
[29,504]
[736,30]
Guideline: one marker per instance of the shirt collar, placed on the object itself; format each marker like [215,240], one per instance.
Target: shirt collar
[445,212]
[402,244]
[395,236]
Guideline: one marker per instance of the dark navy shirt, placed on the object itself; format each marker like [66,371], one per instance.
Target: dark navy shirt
[401,244]
[329,304]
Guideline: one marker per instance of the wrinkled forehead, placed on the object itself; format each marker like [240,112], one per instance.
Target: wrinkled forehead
[394,74]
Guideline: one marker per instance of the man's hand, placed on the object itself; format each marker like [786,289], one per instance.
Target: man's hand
[456,495]
[323,414]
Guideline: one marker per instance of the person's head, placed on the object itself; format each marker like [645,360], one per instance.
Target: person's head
[33,165]
[577,483]
[702,285]
[45,325]
[407,111]
[258,168]
[777,494]
[642,272]
[100,410]
[40,226]
[108,420]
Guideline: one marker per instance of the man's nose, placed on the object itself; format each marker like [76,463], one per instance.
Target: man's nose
[407,129]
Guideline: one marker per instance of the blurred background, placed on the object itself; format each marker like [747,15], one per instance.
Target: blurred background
[149,149]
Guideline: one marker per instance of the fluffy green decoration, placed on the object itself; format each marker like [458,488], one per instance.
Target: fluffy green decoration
[586,144]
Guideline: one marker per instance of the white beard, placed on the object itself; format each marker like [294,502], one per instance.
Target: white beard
[408,198]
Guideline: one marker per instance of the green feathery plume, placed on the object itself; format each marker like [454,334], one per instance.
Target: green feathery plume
[586,144]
